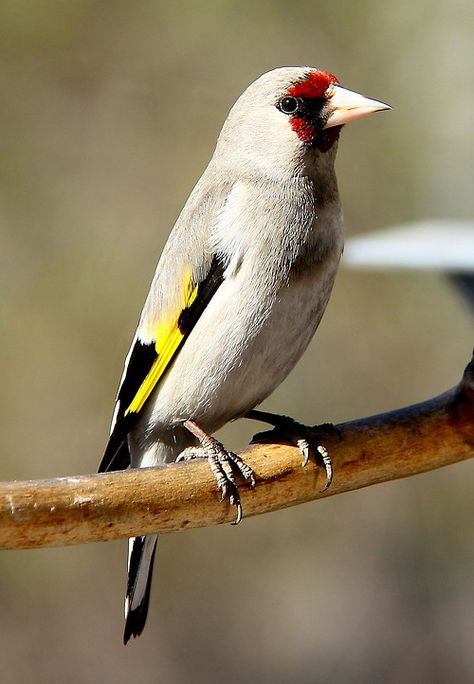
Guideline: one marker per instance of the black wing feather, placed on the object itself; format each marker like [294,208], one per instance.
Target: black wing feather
[142,358]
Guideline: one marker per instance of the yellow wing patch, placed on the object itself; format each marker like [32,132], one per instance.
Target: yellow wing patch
[168,337]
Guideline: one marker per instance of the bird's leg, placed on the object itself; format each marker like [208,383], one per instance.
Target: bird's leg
[304,437]
[223,464]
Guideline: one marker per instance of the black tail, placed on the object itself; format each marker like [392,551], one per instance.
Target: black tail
[141,554]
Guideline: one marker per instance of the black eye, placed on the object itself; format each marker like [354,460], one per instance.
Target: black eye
[289,105]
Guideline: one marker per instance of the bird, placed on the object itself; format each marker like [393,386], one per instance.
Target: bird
[239,290]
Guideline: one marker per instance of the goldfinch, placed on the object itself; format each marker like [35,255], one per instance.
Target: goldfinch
[239,290]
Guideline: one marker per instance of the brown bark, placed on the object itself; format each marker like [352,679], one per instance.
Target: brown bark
[87,508]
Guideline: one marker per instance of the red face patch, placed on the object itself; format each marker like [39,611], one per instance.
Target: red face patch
[315,85]
[304,129]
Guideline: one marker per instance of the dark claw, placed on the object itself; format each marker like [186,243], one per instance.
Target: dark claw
[323,452]
[245,470]
[238,505]
[305,448]
[302,436]
[224,465]
[223,491]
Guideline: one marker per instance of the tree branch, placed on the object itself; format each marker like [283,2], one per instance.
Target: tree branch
[87,508]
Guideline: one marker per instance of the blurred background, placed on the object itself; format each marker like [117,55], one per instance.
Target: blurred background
[109,114]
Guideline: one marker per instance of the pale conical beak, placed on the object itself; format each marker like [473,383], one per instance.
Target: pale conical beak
[345,105]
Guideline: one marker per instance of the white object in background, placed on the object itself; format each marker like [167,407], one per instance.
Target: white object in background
[443,244]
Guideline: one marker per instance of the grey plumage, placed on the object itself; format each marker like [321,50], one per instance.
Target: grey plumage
[267,209]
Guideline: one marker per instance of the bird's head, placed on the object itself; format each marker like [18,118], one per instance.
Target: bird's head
[289,112]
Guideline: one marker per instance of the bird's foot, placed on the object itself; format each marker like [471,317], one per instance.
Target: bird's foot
[224,465]
[307,438]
